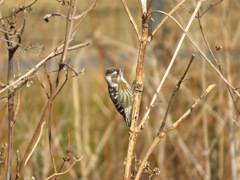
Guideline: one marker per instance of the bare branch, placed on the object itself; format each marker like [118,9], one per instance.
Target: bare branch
[21,9]
[170,13]
[174,93]
[131,18]
[44,89]
[170,65]
[20,81]
[162,133]
[62,173]
[210,7]
[82,15]
[35,144]
[204,56]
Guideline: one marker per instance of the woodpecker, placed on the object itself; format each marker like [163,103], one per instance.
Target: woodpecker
[120,92]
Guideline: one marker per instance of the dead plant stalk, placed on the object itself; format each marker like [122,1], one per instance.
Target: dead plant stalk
[144,40]
[138,88]
[162,133]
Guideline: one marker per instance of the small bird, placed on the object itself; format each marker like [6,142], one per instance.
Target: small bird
[120,92]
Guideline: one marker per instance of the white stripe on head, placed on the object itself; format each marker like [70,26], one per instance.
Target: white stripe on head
[109,81]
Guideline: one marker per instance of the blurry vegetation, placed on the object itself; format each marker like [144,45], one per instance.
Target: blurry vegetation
[85,123]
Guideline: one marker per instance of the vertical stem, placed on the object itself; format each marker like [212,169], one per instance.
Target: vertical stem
[68,34]
[205,125]
[50,136]
[138,88]
[10,115]
[230,109]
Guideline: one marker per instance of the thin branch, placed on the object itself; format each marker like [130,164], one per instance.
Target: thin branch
[68,66]
[18,96]
[131,18]
[48,78]
[68,33]
[210,7]
[137,95]
[174,93]
[203,55]
[20,81]
[170,13]
[35,138]
[35,145]
[50,136]
[82,15]
[21,9]
[216,59]
[41,84]
[170,65]
[2,85]
[62,173]
[162,133]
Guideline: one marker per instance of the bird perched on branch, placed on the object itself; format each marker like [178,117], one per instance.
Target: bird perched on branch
[120,92]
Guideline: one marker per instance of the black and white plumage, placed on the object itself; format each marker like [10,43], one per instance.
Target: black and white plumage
[120,92]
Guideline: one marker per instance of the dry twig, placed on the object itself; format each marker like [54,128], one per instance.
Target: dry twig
[163,132]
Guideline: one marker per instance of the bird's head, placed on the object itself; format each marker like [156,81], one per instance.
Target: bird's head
[114,76]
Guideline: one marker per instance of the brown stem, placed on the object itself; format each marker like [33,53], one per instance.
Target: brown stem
[10,116]
[174,93]
[11,113]
[138,88]
[69,30]
[23,79]
[162,133]
[34,138]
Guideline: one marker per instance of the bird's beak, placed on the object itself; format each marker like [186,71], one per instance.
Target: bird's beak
[123,68]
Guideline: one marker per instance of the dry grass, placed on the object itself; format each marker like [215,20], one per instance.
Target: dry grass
[84,119]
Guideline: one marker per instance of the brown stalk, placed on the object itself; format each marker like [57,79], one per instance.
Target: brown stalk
[11,111]
[163,132]
[18,93]
[34,138]
[177,87]
[131,18]
[61,173]
[170,13]
[203,55]
[11,51]
[68,33]
[137,95]
[20,9]
[216,59]
[170,64]
[23,79]
[53,93]
[138,83]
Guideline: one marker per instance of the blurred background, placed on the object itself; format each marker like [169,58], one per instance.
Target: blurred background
[204,146]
